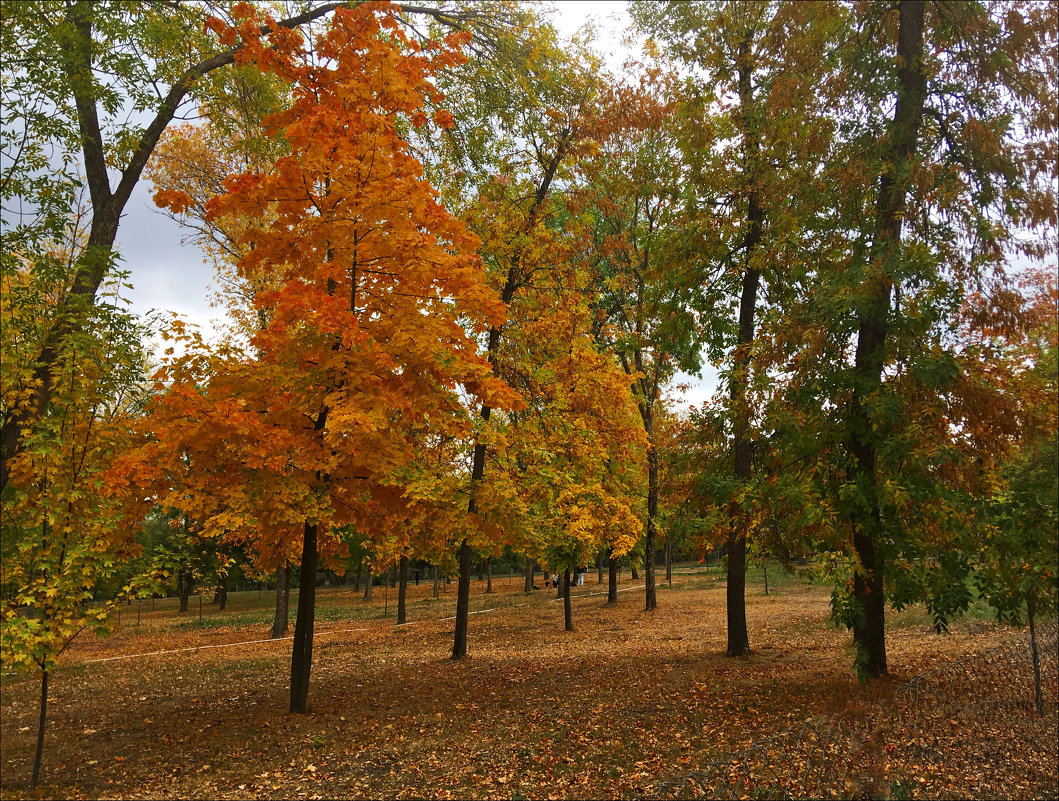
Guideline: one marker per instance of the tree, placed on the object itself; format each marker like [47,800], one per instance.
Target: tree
[752,132]
[72,72]
[647,299]
[369,335]
[938,175]
[62,533]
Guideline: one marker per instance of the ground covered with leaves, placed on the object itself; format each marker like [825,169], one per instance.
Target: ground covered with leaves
[625,702]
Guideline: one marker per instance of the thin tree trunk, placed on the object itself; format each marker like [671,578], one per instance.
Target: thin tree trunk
[222,594]
[183,589]
[463,602]
[368,586]
[612,578]
[437,581]
[41,722]
[567,616]
[765,569]
[869,630]
[669,563]
[529,575]
[650,601]
[632,570]
[356,578]
[599,567]
[488,575]
[481,570]
[402,586]
[1038,698]
[279,622]
[302,652]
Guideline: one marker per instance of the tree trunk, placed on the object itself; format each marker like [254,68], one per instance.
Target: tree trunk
[463,602]
[869,630]
[612,578]
[632,570]
[488,575]
[481,570]
[599,567]
[183,589]
[650,601]
[222,594]
[356,578]
[765,570]
[41,721]
[279,622]
[568,619]
[738,636]
[402,587]
[1038,698]
[302,653]
[367,587]
[437,581]
[669,563]
[529,575]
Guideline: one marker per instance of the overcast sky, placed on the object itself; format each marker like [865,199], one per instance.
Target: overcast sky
[171,277]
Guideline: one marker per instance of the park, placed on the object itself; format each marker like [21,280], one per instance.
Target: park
[173,707]
[475,399]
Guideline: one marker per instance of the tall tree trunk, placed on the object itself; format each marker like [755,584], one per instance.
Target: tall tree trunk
[279,621]
[41,722]
[402,587]
[302,652]
[869,630]
[222,594]
[599,568]
[612,578]
[529,575]
[488,575]
[738,636]
[632,570]
[463,602]
[481,569]
[437,581]
[650,601]
[368,586]
[568,619]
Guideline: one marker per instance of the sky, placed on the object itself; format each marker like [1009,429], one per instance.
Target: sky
[168,276]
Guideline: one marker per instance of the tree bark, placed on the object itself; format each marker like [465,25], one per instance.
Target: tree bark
[738,636]
[612,578]
[869,630]
[183,589]
[529,575]
[1038,698]
[279,621]
[463,601]
[41,722]
[222,594]
[650,601]
[368,586]
[568,619]
[302,652]
[599,568]
[402,587]
[669,563]
[488,575]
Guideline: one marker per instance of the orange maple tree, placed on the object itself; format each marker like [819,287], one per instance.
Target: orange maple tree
[376,300]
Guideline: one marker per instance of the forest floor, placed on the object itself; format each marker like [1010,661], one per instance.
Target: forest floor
[627,700]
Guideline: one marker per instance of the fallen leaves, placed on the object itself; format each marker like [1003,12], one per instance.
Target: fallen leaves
[608,711]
